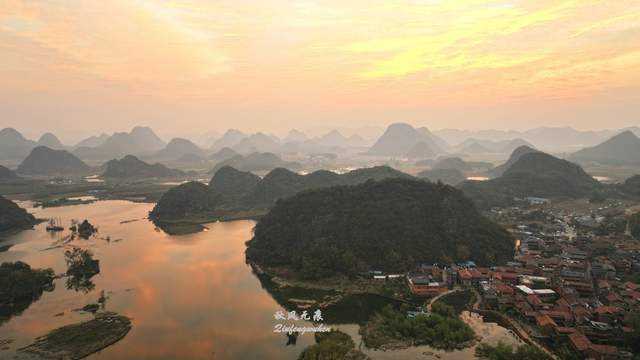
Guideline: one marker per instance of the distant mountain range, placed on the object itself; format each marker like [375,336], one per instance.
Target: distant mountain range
[400,139]
[43,161]
[621,149]
[295,141]
[477,146]
[115,146]
[130,167]
[256,162]
[556,138]
[139,141]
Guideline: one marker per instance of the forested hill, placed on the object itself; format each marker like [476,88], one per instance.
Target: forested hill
[7,174]
[232,191]
[13,217]
[388,225]
[131,167]
[45,161]
[533,174]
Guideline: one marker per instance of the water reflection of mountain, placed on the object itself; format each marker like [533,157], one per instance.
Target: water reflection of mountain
[336,308]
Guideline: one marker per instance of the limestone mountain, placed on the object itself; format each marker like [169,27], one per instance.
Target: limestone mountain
[232,183]
[295,136]
[45,161]
[632,186]
[230,138]
[475,148]
[51,141]
[130,167]
[511,145]
[192,201]
[398,139]
[622,149]
[453,163]
[258,142]
[356,140]
[115,146]
[146,139]
[534,174]
[515,156]
[333,139]
[420,150]
[177,148]
[449,176]
[7,174]
[256,162]
[13,145]
[235,194]
[93,141]
[441,145]
[389,225]
[223,154]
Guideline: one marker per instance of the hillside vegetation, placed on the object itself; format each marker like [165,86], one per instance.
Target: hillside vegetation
[386,225]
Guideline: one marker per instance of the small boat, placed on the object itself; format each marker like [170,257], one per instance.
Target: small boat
[54,225]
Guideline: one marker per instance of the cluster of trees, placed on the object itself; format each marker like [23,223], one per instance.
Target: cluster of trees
[502,351]
[632,338]
[20,285]
[441,329]
[81,267]
[386,225]
[334,345]
[13,217]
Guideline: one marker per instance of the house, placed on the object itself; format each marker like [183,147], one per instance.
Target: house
[532,200]
[546,324]
[465,277]
[421,285]
[608,314]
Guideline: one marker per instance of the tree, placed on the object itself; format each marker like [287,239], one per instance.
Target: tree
[502,351]
[632,338]
[634,225]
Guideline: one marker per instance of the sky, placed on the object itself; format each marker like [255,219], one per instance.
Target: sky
[187,67]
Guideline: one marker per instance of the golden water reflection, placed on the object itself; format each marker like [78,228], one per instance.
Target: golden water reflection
[190,297]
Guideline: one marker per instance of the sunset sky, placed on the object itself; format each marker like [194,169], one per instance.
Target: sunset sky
[78,67]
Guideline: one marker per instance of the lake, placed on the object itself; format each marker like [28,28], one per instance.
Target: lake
[189,297]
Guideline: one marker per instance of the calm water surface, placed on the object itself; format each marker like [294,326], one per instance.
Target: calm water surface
[189,297]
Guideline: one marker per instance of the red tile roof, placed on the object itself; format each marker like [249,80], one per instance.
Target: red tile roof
[579,341]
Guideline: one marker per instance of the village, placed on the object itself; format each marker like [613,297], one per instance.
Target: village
[572,286]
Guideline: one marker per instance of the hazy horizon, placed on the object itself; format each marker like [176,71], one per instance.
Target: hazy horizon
[189,68]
